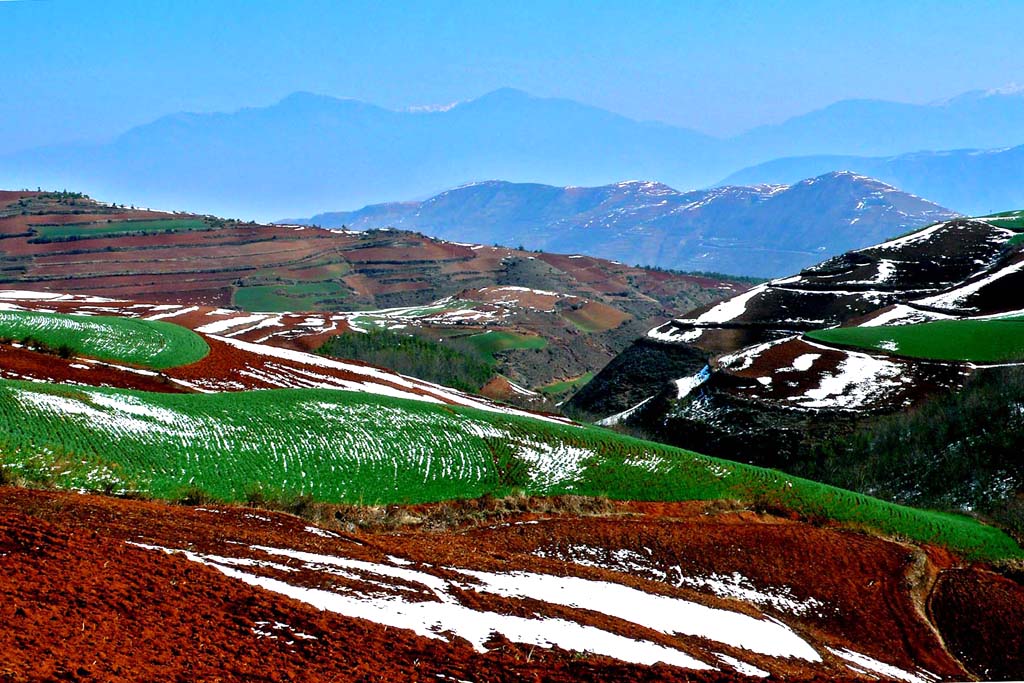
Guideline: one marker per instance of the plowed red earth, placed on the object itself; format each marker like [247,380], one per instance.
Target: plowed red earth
[379,269]
[79,601]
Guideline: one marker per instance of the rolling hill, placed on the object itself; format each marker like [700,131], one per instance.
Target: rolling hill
[448,534]
[800,372]
[586,309]
[763,230]
[533,553]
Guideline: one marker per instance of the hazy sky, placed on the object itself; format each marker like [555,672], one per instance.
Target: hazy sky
[74,69]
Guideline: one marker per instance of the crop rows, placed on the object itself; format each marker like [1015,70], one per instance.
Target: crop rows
[151,343]
[351,447]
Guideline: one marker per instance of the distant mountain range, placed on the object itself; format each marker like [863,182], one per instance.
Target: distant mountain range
[308,151]
[973,181]
[764,230]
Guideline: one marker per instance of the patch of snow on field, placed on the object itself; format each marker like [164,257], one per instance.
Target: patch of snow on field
[120,417]
[744,358]
[173,314]
[553,464]
[858,380]
[734,586]
[435,619]
[743,667]
[323,533]
[803,363]
[658,612]
[221,326]
[887,670]
[739,587]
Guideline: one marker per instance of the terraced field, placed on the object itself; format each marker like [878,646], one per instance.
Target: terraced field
[347,447]
[63,231]
[149,343]
[978,341]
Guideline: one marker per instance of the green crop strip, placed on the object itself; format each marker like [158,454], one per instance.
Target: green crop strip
[117,228]
[490,343]
[300,296]
[150,343]
[980,341]
[340,446]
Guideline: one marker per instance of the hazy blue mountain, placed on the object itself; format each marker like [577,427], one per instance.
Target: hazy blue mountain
[973,182]
[308,151]
[978,120]
[765,230]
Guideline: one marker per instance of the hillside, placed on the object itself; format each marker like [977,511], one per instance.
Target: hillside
[507,561]
[449,534]
[309,152]
[587,309]
[504,595]
[972,181]
[759,377]
[764,230]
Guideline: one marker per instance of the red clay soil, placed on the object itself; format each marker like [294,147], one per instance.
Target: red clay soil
[976,630]
[23,364]
[204,266]
[80,603]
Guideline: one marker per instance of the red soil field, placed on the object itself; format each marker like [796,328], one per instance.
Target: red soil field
[81,603]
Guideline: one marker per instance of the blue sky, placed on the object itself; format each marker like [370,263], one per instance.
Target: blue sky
[88,70]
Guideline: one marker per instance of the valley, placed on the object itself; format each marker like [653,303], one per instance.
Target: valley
[320,496]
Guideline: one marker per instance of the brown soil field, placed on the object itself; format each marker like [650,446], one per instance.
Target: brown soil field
[87,594]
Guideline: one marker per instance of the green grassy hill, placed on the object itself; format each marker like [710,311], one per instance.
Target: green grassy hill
[149,343]
[353,447]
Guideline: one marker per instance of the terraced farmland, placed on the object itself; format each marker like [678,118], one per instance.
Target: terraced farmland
[979,341]
[109,228]
[346,447]
[150,343]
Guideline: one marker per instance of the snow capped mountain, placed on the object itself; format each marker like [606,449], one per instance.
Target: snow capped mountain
[762,230]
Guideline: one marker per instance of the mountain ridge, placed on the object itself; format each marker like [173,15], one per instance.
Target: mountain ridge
[309,151]
[779,228]
[974,181]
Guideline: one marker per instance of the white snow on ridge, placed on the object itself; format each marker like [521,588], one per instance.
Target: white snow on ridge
[901,314]
[912,238]
[173,314]
[686,385]
[956,298]
[730,309]
[615,419]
